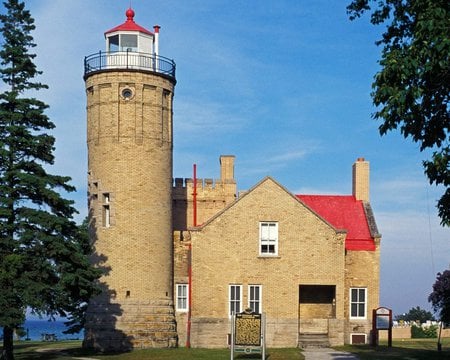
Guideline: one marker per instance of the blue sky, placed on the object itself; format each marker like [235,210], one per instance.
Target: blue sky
[285,86]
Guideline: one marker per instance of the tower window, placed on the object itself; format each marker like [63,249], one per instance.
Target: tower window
[127,93]
[106,211]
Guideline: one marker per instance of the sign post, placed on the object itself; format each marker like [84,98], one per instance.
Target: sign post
[381,320]
[248,333]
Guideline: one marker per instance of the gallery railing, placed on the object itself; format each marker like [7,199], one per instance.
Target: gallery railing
[128,60]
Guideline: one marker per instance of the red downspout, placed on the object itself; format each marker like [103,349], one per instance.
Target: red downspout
[194,200]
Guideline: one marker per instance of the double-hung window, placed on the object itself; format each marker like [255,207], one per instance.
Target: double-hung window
[358,303]
[235,299]
[255,298]
[268,238]
[182,299]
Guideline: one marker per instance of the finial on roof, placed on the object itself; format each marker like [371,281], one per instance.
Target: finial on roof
[130,14]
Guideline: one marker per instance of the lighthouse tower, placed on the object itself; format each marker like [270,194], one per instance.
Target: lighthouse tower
[129,90]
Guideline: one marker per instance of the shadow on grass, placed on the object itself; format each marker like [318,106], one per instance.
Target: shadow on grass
[365,352]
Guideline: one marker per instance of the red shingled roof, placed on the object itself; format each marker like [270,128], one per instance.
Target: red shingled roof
[343,212]
[129,25]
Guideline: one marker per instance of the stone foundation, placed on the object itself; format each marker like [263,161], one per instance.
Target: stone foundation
[112,327]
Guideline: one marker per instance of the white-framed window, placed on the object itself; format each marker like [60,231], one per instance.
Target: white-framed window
[255,298]
[182,298]
[358,303]
[268,238]
[235,299]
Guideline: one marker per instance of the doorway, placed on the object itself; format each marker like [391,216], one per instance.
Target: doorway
[317,304]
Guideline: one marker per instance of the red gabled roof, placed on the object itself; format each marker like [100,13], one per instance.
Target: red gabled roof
[346,213]
[129,25]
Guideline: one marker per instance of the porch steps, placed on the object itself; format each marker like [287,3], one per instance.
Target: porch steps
[313,340]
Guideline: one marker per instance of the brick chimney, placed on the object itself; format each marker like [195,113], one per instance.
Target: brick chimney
[361,174]
[226,168]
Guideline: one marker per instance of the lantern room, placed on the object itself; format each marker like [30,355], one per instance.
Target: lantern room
[130,46]
[131,37]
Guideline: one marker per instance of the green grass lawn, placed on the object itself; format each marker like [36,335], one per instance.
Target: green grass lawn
[65,350]
[414,349]
[417,349]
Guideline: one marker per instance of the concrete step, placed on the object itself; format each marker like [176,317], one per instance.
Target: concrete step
[313,340]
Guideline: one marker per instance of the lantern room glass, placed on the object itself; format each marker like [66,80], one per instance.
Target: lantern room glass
[123,42]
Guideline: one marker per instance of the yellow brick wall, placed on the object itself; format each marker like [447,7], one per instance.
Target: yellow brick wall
[226,251]
[130,160]
[363,271]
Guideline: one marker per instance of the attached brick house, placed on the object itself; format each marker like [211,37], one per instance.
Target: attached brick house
[309,262]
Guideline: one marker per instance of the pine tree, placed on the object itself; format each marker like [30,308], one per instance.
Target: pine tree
[44,262]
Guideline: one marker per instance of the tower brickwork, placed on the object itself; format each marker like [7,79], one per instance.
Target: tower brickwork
[129,137]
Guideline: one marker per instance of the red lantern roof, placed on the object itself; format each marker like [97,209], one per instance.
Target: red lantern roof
[129,25]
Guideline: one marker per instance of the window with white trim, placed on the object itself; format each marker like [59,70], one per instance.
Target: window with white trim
[268,238]
[358,303]
[182,299]
[255,298]
[235,299]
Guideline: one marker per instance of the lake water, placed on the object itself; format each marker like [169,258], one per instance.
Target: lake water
[36,328]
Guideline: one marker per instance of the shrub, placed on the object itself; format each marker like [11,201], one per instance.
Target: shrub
[418,332]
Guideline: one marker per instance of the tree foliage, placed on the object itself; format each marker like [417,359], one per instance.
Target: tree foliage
[44,262]
[412,89]
[416,314]
[440,297]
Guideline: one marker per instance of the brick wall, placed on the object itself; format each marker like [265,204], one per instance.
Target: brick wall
[363,271]
[226,251]
[130,203]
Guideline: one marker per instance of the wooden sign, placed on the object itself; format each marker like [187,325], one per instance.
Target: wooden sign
[381,320]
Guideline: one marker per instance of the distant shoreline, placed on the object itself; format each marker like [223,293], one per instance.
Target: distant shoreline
[45,330]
